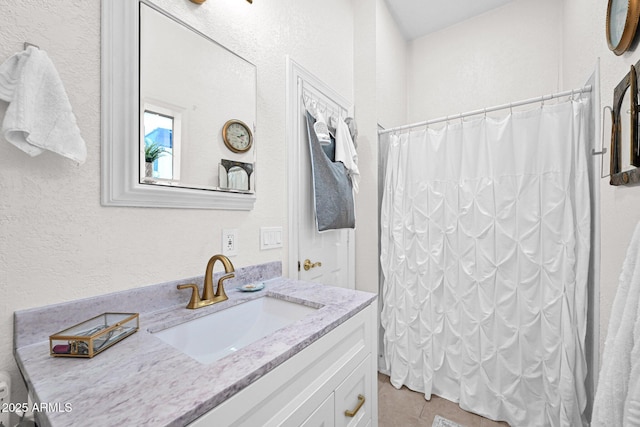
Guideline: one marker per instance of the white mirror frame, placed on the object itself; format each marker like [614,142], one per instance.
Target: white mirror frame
[121,120]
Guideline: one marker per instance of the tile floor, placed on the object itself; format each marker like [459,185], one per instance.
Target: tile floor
[406,408]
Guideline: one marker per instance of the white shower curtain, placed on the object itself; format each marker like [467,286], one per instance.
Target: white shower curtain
[485,234]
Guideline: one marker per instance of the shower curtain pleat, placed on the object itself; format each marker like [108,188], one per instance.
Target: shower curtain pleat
[485,230]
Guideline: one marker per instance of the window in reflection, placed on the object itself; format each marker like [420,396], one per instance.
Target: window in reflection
[161,145]
[158,142]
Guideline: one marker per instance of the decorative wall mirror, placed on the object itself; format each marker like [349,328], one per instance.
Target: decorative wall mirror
[168,89]
[622,22]
[625,146]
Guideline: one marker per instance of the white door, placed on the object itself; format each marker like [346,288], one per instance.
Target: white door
[326,257]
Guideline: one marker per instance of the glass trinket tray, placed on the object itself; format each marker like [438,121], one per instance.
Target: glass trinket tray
[93,336]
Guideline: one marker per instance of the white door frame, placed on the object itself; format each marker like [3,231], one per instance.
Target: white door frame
[296,73]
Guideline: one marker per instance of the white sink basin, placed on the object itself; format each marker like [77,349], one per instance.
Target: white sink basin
[219,334]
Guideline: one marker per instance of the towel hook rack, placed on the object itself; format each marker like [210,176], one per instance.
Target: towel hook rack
[603,149]
[27,44]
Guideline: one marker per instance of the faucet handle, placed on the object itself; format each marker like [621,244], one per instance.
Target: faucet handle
[220,290]
[195,300]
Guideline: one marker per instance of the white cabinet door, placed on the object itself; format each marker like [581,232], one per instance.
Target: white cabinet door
[323,416]
[355,395]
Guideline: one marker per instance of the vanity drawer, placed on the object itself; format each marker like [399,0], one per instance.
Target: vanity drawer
[323,416]
[354,396]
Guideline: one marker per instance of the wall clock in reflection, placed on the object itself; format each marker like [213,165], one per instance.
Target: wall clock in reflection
[237,136]
[622,22]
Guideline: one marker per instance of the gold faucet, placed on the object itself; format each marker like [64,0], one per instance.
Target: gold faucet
[208,297]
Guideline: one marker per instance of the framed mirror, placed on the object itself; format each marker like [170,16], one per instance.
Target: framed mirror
[622,22]
[625,147]
[167,91]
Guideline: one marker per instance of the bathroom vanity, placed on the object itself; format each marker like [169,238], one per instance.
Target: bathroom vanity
[318,370]
[317,387]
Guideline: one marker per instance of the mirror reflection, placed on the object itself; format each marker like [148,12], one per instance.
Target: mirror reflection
[236,176]
[625,133]
[190,86]
[618,11]
[162,159]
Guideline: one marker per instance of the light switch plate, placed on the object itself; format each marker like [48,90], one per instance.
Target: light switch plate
[270,237]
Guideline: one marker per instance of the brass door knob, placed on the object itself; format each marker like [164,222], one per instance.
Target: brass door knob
[308,265]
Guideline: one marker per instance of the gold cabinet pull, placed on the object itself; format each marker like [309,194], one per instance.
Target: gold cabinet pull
[308,265]
[353,413]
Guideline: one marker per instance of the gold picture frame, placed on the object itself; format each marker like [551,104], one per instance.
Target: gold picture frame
[622,23]
[621,126]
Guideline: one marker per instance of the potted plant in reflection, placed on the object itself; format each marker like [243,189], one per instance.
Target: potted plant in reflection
[152,151]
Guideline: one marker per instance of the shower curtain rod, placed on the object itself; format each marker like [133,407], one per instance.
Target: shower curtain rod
[543,98]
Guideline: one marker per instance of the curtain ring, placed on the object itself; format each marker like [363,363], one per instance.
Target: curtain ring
[485,113]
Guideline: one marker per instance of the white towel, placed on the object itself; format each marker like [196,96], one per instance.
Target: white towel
[617,401]
[39,115]
[346,153]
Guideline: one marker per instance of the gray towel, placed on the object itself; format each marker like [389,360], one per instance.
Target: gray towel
[332,189]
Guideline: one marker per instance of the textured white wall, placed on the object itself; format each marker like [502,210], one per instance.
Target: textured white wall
[506,54]
[57,243]
[585,42]
[391,69]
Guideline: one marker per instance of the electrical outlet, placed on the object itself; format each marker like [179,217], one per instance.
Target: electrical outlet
[5,397]
[230,242]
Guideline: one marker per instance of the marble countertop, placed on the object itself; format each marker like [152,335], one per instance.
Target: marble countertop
[143,381]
